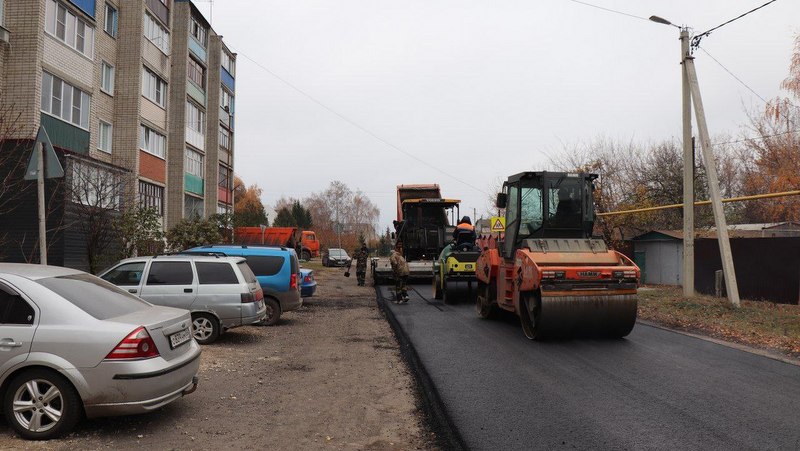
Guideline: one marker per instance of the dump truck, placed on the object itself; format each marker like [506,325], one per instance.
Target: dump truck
[549,269]
[303,241]
[421,230]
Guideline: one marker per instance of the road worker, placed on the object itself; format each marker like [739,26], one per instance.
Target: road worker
[400,273]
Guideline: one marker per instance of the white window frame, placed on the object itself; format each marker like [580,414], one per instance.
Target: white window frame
[156,33]
[198,32]
[226,100]
[197,202]
[107,87]
[105,143]
[228,63]
[152,142]
[193,162]
[66,99]
[154,88]
[114,29]
[70,28]
[195,118]
[225,138]
[94,186]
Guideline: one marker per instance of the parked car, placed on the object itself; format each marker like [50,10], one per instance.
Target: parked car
[73,344]
[308,285]
[222,293]
[335,257]
[277,270]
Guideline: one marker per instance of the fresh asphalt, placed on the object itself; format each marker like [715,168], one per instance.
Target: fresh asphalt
[654,389]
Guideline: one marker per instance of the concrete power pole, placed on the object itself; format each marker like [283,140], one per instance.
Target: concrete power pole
[39,147]
[713,185]
[688,174]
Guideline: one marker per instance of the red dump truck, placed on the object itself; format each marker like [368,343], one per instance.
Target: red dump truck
[304,241]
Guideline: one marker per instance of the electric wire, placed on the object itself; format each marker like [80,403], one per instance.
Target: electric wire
[696,39]
[359,126]
[611,10]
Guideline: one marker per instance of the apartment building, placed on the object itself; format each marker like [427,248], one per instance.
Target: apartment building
[137,91]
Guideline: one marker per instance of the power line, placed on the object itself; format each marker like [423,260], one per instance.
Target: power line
[357,125]
[611,10]
[733,75]
[757,137]
[696,39]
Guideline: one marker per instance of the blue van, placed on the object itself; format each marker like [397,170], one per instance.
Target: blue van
[276,268]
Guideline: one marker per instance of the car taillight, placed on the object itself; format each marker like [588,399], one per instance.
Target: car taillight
[253,297]
[137,345]
[307,279]
[293,281]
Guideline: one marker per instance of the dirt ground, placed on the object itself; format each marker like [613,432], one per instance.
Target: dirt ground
[328,376]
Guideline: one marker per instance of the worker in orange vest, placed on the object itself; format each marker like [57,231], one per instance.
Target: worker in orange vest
[464,231]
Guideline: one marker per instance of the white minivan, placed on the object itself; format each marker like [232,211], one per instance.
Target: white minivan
[220,292]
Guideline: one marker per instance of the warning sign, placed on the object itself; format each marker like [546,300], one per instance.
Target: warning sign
[498,224]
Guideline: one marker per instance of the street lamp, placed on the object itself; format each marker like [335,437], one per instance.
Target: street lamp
[691,95]
[688,165]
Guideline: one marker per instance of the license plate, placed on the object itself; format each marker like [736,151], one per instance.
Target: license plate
[467,266]
[179,338]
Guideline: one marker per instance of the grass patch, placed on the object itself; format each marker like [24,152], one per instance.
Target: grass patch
[760,324]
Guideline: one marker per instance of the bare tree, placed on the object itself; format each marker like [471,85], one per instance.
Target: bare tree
[13,161]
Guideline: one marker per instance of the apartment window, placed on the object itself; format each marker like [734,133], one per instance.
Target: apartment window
[151,196]
[110,25]
[64,101]
[154,88]
[223,209]
[156,33]
[224,138]
[195,117]
[228,63]
[94,186]
[224,177]
[194,163]
[226,101]
[107,78]
[152,142]
[198,32]
[105,136]
[192,207]
[197,73]
[68,28]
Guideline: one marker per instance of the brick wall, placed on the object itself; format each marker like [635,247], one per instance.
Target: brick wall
[105,49]
[152,168]
[176,116]
[212,122]
[22,71]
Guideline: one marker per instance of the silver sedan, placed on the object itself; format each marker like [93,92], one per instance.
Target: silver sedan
[72,343]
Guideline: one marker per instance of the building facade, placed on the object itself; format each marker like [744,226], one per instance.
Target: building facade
[143,88]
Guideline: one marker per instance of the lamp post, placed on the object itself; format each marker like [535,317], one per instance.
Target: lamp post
[691,95]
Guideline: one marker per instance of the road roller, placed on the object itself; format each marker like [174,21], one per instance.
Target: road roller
[548,269]
[454,272]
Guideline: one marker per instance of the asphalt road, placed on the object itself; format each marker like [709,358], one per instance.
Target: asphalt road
[655,389]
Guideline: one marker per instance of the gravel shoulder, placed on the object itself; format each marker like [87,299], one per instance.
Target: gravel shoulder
[328,376]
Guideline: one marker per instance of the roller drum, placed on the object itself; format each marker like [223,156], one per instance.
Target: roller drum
[601,315]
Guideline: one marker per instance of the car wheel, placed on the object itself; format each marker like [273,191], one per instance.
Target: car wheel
[306,255]
[40,405]
[205,328]
[273,312]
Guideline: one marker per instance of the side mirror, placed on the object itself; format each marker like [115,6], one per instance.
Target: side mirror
[502,200]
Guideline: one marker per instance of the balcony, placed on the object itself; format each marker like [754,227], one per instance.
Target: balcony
[193,184]
[227,79]
[159,9]
[65,135]
[224,195]
[195,138]
[196,93]
[197,49]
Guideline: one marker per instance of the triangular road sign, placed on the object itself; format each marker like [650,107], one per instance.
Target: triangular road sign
[498,224]
[52,167]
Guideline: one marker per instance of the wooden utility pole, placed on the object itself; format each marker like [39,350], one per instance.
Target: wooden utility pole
[688,173]
[713,185]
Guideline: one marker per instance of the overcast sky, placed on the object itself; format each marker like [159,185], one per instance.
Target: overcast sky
[476,89]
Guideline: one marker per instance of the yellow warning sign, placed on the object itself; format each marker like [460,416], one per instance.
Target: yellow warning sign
[498,224]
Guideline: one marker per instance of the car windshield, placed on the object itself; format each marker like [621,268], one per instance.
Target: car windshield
[338,253]
[94,295]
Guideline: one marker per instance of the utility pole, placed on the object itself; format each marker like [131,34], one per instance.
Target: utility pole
[713,185]
[688,174]
[40,192]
